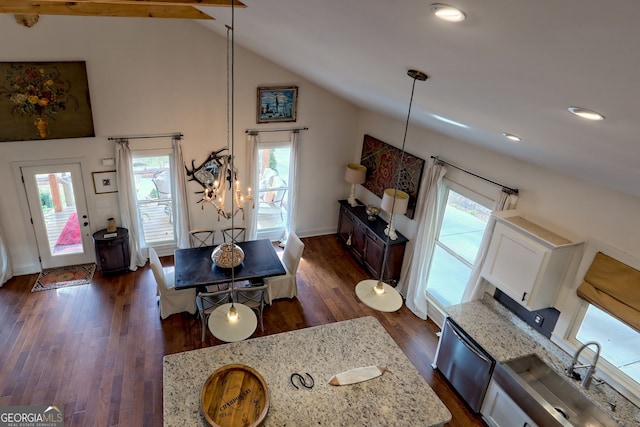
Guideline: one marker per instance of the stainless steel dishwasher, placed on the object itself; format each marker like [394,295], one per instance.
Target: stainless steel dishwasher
[466,365]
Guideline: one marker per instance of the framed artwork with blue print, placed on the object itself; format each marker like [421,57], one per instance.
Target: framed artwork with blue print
[277,104]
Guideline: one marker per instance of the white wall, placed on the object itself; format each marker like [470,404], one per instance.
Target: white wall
[150,76]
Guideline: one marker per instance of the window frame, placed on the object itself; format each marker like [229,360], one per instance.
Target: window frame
[158,152]
[476,197]
[573,309]
[610,373]
[275,233]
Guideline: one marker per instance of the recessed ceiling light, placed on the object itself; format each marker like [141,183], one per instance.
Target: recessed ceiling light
[586,114]
[511,137]
[448,13]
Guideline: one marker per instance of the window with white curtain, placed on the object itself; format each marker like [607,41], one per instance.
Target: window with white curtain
[272,206]
[463,218]
[154,180]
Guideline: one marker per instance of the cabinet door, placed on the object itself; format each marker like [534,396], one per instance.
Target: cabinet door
[513,263]
[374,254]
[345,226]
[358,238]
[499,410]
[111,255]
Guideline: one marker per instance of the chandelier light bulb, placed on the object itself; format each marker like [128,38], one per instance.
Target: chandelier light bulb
[232,315]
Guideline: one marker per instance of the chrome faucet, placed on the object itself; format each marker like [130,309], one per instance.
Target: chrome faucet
[586,380]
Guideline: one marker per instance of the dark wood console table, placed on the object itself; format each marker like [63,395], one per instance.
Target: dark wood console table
[367,242]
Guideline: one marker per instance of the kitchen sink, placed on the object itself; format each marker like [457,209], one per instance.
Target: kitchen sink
[552,393]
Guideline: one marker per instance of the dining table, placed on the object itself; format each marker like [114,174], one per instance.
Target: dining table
[194,267]
[297,367]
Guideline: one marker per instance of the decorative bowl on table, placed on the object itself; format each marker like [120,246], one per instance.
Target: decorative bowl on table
[372,212]
[227,255]
[235,395]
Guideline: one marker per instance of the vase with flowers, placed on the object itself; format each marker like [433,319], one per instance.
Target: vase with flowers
[38,92]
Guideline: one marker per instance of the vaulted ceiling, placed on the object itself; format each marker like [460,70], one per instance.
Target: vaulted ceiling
[512,66]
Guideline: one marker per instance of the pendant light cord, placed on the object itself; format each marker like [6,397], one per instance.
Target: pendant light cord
[415,76]
[230,125]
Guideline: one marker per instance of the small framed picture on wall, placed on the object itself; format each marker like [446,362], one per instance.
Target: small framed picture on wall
[105,182]
[277,104]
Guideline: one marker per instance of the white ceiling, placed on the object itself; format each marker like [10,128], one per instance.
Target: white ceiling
[512,66]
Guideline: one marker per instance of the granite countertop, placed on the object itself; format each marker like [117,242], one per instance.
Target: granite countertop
[400,397]
[505,337]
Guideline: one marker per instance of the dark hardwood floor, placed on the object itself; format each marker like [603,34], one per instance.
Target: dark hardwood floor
[97,349]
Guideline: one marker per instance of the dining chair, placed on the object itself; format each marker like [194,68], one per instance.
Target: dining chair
[234,234]
[253,297]
[286,286]
[171,300]
[202,237]
[209,301]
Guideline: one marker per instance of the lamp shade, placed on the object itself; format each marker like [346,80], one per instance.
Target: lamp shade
[355,173]
[394,201]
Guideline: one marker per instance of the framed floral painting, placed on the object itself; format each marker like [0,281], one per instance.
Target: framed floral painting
[44,100]
[277,104]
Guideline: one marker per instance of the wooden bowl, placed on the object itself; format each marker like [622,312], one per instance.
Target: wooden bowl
[235,395]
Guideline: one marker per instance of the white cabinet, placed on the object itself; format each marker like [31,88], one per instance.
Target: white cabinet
[525,261]
[499,410]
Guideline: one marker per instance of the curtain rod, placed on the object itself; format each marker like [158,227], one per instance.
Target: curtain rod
[257,131]
[504,187]
[178,135]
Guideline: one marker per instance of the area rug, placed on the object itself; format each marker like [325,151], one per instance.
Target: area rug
[64,277]
[70,234]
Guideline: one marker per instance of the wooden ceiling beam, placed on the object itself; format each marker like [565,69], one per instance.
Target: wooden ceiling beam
[101,9]
[211,3]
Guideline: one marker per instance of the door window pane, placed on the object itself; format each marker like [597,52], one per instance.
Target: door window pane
[153,178]
[58,206]
[461,231]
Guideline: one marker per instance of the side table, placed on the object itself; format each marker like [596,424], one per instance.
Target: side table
[112,252]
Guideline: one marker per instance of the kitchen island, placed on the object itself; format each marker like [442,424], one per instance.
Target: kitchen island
[400,397]
[506,337]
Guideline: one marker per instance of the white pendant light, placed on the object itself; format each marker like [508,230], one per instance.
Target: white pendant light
[375,293]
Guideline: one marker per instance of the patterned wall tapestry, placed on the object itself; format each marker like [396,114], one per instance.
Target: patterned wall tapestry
[382,161]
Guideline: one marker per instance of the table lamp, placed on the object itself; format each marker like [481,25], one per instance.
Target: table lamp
[395,202]
[354,174]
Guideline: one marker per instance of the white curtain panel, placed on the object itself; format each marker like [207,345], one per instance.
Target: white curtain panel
[475,286]
[252,166]
[293,189]
[182,214]
[412,280]
[127,200]
[6,272]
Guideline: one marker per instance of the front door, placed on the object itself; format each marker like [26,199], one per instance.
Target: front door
[56,198]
